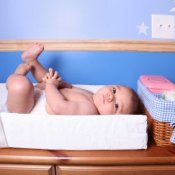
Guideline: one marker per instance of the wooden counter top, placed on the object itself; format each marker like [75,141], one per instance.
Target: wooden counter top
[153,155]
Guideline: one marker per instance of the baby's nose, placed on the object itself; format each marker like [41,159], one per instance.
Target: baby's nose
[110,97]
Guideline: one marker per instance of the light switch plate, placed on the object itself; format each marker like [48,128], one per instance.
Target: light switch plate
[163,26]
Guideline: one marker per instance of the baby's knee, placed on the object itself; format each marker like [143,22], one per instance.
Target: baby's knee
[19,83]
[20,96]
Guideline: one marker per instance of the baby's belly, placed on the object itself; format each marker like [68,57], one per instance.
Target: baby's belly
[77,94]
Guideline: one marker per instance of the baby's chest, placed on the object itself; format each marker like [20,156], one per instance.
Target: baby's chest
[75,95]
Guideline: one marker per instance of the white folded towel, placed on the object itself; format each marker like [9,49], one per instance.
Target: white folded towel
[96,132]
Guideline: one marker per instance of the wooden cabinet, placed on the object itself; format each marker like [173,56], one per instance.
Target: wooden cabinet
[116,170]
[153,161]
[20,169]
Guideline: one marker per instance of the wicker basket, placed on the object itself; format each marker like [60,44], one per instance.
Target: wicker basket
[160,131]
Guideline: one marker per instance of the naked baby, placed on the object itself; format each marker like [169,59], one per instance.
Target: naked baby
[61,97]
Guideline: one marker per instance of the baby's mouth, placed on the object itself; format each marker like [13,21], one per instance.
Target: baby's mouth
[104,99]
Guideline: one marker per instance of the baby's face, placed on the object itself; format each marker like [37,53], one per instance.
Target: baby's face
[113,100]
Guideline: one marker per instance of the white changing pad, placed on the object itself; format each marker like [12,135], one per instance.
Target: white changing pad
[63,132]
[110,132]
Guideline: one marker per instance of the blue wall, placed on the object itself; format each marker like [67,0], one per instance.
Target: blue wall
[98,67]
[87,19]
[79,19]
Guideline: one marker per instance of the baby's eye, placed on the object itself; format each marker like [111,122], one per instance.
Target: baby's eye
[113,90]
[116,106]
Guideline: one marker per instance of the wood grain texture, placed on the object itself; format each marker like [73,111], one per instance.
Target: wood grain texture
[17,169]
[116,170]
[153,156]
[90,45]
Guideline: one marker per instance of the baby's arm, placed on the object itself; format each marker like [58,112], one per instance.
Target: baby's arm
[53,96]
[56,101]
[62,84]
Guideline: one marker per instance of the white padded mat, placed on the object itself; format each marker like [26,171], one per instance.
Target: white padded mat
[110,132]
[3,95]
[65,132]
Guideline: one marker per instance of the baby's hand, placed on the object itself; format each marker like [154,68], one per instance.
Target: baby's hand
[52,77]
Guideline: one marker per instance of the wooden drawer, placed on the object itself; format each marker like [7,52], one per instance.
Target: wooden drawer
[116,170]
[12,169]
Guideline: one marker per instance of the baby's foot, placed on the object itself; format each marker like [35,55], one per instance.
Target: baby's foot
[23,69]
[32,53]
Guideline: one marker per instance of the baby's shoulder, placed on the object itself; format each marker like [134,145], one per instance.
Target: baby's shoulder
[88,108]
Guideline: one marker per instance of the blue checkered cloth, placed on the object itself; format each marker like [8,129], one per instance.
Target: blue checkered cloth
[160,109]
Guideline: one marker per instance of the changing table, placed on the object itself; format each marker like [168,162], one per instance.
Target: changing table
[154,160]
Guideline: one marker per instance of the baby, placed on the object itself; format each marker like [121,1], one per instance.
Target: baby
[61,97]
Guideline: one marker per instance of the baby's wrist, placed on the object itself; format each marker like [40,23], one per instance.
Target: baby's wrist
[51,83]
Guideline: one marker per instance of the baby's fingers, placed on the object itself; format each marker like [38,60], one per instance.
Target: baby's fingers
[55,75]
[51,72]
[59,79]
[46,77]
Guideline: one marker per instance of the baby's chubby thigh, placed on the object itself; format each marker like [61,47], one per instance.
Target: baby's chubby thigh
[20,98]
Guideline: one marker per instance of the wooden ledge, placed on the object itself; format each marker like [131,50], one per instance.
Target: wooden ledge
[90,45]
[154,155]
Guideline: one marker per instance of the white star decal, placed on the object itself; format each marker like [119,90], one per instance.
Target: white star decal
[172,9]
[142,28]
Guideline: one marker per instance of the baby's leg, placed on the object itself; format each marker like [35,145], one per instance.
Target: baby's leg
[30,57]
[20,98]
[32,53]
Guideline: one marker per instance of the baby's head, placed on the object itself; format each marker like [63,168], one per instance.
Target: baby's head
[117,99]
